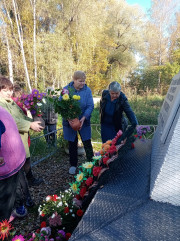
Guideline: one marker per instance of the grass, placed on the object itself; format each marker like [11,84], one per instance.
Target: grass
[146,109]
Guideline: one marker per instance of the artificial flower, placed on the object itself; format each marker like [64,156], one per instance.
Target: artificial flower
[89,181]
[79,177]
[54,198]
[5,227]
[132,145]
[105,159]
[82,191]
[96,171]
[55,220]
[47,230]
[79,212]
[66,210]
[62,233]
[74,187]
[43,224]
[88,165]
[18,238]
[68,235]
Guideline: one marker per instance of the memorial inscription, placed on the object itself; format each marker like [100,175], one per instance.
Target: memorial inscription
[169,108]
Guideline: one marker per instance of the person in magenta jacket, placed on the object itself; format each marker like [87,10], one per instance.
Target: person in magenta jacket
[12,158]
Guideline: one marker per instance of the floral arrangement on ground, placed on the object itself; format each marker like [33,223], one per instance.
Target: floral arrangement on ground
[61,213]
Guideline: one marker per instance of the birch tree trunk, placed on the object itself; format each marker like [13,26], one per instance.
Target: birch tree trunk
[20,34]
[34,44]
[10,65]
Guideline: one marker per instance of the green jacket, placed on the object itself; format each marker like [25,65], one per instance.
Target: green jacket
[22,121]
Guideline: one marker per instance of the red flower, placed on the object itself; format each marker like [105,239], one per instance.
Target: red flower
[43,224]
[54,198]
[78,197]
[68,235]
[66,210]
[38,231]
[114,141]
[136,136]
[96,171]
[42,214]
[89,181]
[140,137]
[82,191]
[105,159]
[5,227]
[79,212]
[112,149]
[132,146]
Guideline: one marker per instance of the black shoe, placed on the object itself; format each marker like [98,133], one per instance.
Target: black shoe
[35,181]
[29,202]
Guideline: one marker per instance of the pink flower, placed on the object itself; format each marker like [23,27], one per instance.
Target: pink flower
[18,238]
[96,171]
[65,91]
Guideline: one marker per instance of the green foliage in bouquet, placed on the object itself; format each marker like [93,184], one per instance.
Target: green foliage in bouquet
[68,105]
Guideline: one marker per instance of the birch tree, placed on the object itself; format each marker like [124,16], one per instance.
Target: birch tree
[4,33]
[20,35]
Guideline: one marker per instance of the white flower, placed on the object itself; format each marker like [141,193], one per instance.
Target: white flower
[53,216]
[95,158]
[48,198]
[71,210]
[73,215]
[39,104]
[59,204]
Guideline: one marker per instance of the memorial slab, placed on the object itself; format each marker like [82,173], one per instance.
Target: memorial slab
[165,158]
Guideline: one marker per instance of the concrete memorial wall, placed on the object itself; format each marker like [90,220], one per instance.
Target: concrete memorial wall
[165,157]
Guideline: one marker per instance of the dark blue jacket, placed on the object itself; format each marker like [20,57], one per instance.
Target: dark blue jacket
[87,106]
[122,105]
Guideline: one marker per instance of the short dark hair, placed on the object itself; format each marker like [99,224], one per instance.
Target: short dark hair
[17,90]
[5,83]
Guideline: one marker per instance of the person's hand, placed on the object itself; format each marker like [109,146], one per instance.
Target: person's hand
[82,121]
[35,126]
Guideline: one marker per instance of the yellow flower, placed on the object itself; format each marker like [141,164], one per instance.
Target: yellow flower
[87,165]
[74,187]
[76,97]
[65,97]
[79,177]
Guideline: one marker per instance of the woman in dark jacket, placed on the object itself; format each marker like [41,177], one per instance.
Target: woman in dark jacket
[112,105]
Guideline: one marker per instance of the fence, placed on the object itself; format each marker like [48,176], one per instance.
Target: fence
[41,150]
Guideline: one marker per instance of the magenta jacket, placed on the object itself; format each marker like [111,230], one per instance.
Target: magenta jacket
[12,149]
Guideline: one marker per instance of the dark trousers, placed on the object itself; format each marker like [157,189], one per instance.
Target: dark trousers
[73,151]
[10,195]
[23,187]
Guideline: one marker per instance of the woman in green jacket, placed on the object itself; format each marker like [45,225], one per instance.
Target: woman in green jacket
[23,123]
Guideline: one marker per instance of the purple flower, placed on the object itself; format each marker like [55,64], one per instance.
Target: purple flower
[39,96]
[61,232]
[35,92]
[33,112]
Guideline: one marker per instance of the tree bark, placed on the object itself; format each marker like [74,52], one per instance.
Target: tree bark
[20,34]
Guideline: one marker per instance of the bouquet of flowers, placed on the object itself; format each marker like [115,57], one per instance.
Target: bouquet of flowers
[32,102]
[68,105]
